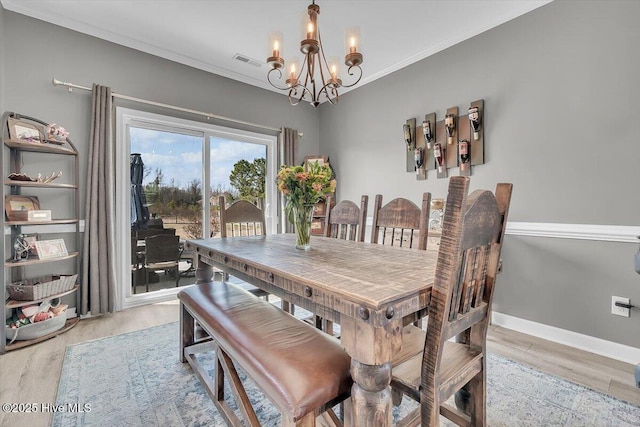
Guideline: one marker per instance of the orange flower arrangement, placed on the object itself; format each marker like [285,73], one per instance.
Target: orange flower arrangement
[302,187]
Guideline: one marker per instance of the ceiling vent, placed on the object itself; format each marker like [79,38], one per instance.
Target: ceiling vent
[243,58]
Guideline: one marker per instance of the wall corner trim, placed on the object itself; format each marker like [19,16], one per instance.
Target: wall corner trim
[588,343]
[608,233]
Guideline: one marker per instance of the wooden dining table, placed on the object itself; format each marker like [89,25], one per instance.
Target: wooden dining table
[367,288]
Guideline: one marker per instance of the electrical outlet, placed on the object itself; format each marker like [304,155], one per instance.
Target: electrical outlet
[619,311]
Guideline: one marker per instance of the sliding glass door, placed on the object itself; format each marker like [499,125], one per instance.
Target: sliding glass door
[170,173]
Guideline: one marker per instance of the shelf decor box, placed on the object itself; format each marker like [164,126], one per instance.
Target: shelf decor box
[39,215]
[17,207]
[41,287]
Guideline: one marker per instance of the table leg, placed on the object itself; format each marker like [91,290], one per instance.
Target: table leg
[371,348]
[204,272]
[371,394]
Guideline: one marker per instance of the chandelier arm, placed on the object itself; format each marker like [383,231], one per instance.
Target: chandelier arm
[309,78]
[279,77]
[333,97]
[323,81]
[303,67]
[323,58]
[292,100]
[311,68]
[351,73]
[293,93]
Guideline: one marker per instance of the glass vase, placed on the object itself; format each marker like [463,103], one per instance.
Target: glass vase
[302,221]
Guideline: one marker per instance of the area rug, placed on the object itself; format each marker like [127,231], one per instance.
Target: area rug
[137,379]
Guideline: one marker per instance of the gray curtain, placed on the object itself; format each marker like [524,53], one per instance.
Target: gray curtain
[289,146]
[98,262]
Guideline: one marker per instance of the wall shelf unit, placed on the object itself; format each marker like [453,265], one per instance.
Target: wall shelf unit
[61,155]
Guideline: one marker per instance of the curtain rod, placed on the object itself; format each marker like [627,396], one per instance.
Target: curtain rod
[72,86]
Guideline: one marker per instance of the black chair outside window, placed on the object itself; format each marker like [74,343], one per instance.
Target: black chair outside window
[162,252]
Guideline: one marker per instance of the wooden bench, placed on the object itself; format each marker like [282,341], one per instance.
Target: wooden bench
[301,370]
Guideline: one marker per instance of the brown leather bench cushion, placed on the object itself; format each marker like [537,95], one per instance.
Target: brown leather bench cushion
[299,367]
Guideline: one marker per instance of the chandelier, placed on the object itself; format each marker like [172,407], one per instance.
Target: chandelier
[317,78]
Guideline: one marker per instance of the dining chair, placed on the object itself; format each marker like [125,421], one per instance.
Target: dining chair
[401,222]
[345,221]
[242,218]
[161,252]
[461,297]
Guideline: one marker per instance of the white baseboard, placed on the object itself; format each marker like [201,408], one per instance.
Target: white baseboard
[588,343]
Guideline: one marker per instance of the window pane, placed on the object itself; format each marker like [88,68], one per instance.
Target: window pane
[171,179]
[238,171]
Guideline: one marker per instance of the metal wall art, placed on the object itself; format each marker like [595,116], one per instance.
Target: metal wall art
[409,134]
[455,141]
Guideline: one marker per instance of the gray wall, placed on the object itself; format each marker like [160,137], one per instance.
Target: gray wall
[561,98]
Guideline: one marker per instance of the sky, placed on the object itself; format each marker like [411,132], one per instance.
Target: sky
[180,156]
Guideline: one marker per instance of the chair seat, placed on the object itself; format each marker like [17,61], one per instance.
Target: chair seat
[412,343]
[162,265]
[456,358]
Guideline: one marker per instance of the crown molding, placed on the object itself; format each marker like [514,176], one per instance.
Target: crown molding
[458,37]
[516,9]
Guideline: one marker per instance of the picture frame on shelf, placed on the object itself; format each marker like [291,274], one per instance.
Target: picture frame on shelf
[48,249]
[24,132]
[17,207]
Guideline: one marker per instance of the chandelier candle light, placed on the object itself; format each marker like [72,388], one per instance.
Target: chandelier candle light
[317,78]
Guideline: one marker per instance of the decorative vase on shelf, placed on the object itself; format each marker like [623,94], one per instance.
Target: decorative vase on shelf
[302,216]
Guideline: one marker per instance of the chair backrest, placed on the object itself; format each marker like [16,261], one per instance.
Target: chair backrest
[241,219]
[401,219]
[143,234]
[162,248]
[155,222]
[346,220]
[468,259]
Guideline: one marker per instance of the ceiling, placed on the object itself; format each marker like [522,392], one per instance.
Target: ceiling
[207,34]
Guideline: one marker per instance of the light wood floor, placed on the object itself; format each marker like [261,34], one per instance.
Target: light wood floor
[32,374]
